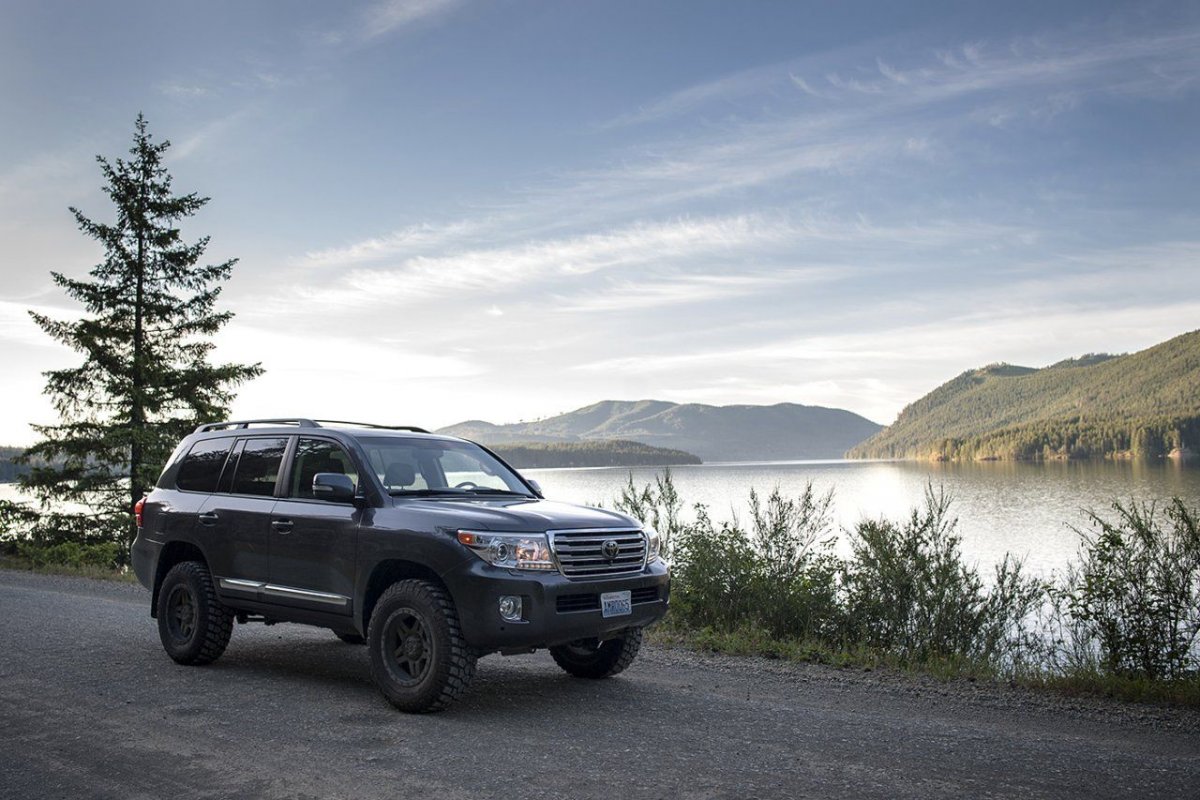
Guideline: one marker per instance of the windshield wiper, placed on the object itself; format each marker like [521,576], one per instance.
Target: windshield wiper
[487,490]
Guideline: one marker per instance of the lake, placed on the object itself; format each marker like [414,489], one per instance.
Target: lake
[1021,508]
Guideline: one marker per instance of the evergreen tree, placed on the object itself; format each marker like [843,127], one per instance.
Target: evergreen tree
[146,380]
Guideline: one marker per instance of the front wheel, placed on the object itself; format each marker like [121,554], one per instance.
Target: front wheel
[419,658]
[592,659]
[193,625]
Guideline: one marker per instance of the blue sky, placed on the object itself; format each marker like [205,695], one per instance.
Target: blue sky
[448,209]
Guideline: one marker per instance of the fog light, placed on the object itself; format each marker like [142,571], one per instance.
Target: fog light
[510,608]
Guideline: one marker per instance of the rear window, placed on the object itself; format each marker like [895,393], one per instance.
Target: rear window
[201,467]
[258,467]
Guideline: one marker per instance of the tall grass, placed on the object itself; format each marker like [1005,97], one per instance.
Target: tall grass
[1129,609]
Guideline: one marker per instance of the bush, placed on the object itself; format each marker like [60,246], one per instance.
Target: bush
[101,555]
[1133,600]
[906,591]
[794,571]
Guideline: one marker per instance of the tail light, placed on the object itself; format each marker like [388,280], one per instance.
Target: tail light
[137,511]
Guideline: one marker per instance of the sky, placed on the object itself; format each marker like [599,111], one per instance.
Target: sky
[507,209]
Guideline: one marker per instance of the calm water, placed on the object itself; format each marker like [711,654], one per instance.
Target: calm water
[1024,509]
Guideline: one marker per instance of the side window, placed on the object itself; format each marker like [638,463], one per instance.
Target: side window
[318,455]
[258,467]
[201,467]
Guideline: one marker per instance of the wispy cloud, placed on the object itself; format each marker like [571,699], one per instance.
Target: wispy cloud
[398,244]
[207,134]
[1094,60]
[389,15]
[495,269]
[634,295]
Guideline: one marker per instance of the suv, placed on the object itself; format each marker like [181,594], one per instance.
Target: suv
[428,548]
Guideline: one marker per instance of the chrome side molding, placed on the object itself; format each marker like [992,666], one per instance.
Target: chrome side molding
[261,590]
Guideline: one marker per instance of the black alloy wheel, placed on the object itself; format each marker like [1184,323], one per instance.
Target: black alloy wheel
[192,624]
[419,658]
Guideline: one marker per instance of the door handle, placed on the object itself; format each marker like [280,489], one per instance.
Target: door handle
[208,518]
[282,525]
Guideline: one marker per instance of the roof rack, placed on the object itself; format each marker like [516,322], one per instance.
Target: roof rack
[412,428]
[299,422]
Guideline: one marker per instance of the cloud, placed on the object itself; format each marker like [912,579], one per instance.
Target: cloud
[388,16]
[641,295]
[398,243]
[207,134]
[491,270]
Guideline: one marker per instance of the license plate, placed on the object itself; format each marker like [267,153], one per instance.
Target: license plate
[616,604]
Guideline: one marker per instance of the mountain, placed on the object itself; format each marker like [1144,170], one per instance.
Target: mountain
[1141,404]
[714,433]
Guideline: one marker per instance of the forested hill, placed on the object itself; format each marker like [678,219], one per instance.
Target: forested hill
[714,433]
[597,453]
[1144,404]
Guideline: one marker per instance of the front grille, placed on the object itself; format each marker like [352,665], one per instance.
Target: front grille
[581,553]
[646,594]
[577,602]
[567,603]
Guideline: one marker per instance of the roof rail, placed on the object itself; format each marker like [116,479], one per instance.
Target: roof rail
[412,428]
[300,422]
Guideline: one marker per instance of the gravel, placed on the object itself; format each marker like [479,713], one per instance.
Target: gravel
[91,706]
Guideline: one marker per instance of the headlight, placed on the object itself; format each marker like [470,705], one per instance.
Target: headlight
[653,542]
[510,550]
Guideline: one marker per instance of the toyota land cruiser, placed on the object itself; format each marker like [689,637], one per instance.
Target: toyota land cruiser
[428,548]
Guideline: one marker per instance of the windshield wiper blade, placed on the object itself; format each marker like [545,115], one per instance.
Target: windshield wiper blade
[425,492]
[487,490]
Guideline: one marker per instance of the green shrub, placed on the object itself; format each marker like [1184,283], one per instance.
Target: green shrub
[1133,599]
[908,592]
[102,555]
[793,581]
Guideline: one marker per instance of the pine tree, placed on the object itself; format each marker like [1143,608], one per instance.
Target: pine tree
[146,380]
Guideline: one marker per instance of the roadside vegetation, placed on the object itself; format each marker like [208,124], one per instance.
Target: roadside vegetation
[1123,621]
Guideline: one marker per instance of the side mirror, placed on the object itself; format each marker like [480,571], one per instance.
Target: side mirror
[537,487]
[333,486]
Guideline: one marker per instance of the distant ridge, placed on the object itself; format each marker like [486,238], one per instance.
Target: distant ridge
[1145,404]
[714,433]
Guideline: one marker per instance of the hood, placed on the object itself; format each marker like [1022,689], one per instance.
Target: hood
[516,514]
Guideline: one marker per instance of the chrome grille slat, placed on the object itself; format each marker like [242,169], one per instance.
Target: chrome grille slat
[579,552]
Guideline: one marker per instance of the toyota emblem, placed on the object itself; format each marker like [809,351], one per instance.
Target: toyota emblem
[610,549]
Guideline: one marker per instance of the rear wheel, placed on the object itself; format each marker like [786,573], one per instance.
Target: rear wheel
[193,625]
[594,659]
[419,658]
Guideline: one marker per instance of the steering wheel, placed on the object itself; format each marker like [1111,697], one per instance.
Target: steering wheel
[466,485]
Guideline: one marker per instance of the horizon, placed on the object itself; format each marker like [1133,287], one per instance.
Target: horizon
[508,211]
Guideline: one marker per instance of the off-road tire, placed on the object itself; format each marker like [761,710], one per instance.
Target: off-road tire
[601,660]
[351,638]
[193,625]
[414,628]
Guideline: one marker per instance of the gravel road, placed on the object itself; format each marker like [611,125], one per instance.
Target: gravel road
[90,706]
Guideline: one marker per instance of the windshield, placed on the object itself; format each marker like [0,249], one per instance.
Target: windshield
[435,467]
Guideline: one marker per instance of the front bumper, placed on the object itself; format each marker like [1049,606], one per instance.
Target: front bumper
[556,610]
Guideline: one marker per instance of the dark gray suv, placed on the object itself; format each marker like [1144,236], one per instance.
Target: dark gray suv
[430,549]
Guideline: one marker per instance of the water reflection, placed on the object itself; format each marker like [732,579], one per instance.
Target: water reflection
[1023,508]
